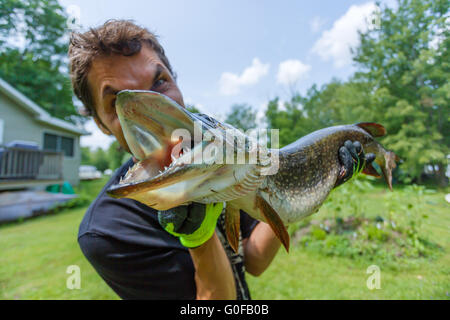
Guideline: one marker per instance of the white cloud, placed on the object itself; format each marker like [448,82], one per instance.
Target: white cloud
[231,84]
[281,105]
[290,71]
[96,138]
[336,42]
[316,24]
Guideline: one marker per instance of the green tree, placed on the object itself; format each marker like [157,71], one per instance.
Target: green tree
[405,60]
[332,104]
[242,116]
[100,159]
[86,156]
[192,108]
[290,122]
[337,103]
[116,155]
[33,53]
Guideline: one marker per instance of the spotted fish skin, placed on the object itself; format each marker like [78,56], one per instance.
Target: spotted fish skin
[308,171]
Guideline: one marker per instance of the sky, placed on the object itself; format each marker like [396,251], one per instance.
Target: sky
[233,52]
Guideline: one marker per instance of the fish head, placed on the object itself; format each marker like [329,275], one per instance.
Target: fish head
[181,155]
[148,120]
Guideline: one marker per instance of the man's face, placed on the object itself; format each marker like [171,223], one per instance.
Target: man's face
[109,75]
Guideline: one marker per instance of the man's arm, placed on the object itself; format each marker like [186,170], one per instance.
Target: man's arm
[260,249]
[195,226]
[213,276]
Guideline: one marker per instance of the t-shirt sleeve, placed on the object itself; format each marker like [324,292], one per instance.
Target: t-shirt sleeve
[247,224]
[147,273]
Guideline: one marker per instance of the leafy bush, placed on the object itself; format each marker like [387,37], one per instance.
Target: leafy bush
[349,232]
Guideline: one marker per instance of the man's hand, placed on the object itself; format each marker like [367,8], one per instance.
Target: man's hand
[353,161]
[193,224]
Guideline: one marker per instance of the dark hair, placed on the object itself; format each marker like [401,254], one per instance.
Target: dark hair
[113,37]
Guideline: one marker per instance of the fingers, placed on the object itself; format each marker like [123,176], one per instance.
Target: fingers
[370,157]
[346,160]
[195,216]
[352,149]
[353,160]
[174,217]
[358,146]
[358,156]
[186,219]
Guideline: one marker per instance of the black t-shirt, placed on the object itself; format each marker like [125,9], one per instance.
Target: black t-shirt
[137,258]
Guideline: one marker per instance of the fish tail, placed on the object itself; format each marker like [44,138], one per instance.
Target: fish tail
[389,164]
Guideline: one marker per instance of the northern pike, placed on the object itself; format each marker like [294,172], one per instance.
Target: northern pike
[279,192]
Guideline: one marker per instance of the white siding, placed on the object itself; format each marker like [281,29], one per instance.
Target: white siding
[19,124]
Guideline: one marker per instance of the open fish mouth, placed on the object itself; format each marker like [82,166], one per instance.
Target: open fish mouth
[173,166]
[149,121]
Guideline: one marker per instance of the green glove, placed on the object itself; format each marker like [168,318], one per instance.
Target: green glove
[353,161]
[193,224]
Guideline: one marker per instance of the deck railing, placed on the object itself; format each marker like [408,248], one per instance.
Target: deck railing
[26,164]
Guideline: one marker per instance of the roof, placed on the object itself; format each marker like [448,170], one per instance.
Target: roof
[40,114]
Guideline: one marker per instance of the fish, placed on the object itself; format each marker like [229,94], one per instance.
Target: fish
[184,157]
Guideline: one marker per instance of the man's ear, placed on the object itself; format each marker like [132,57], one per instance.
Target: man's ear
[101,126]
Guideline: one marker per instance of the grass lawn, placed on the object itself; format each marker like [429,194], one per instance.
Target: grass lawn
[35,255]
[302,274]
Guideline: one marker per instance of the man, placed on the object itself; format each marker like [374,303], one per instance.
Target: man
[135,249]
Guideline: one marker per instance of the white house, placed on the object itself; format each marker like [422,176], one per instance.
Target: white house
[35,148]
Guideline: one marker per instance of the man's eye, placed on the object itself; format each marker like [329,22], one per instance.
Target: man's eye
[158,84]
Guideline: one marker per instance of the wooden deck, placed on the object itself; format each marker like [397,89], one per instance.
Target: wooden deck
[21,168]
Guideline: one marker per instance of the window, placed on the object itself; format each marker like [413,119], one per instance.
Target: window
[50,142]
[67,146]
[57,143]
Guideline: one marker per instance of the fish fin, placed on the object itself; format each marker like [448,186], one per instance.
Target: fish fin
[274,220]
[232,226]
[370,170]
[375,129]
